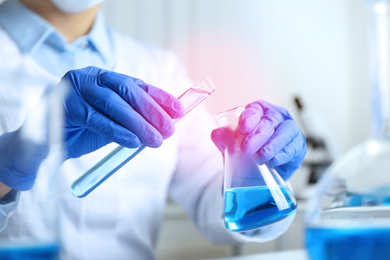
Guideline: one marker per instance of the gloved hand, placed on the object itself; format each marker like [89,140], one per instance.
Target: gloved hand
[100,107]
[20,158]
[105,106]
[271,135]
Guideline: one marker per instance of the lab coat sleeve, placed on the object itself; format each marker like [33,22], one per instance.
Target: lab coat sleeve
[8,205]
[197,185]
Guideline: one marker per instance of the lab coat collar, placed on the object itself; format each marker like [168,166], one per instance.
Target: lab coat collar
[29,32]
[32,31]
[101,39]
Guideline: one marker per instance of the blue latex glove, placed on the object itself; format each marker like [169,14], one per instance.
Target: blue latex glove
[105,106]
[101,107]
[271,135]
[20,159]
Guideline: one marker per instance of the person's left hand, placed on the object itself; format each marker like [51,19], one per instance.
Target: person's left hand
[271,135]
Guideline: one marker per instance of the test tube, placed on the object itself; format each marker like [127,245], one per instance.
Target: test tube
[106,167]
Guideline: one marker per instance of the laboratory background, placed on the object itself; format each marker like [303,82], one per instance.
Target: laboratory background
[308,56]
[325,61]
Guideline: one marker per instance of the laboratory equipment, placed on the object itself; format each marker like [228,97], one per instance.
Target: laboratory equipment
[41,132]
[255,195]
[122,155]
[322,150]
[322,147]
[349,217]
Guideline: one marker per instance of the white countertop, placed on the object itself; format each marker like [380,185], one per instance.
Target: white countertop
[299,254]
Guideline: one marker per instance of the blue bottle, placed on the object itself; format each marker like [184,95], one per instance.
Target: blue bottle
[30,252]
[355,243]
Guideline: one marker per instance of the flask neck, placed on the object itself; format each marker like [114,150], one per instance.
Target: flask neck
[229,120]
[380,67]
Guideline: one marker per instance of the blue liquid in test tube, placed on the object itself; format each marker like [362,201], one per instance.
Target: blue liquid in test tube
[122,155]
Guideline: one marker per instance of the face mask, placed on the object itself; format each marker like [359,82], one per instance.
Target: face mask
[74,6]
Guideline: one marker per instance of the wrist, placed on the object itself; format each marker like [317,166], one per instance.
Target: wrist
[4,190]
[20,160]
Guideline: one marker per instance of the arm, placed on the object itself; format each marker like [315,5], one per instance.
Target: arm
[197,184]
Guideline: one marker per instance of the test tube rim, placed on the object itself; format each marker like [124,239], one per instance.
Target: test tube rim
[207,85]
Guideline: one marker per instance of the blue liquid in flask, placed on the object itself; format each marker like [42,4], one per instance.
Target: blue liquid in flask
[348,243]
[254,207]
[30,252]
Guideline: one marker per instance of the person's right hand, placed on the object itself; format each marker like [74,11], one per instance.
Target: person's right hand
[104,107]
[20,159]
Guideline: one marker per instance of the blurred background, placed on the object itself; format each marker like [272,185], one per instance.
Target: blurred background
[311,53]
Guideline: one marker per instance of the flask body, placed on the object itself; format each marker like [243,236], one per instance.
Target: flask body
[254,195]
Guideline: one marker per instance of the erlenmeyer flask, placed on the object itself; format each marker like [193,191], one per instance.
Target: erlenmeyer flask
[255,195]
[349,218]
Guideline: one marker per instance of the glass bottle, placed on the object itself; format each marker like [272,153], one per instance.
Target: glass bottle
[32,226]
[349,218]
[255,195]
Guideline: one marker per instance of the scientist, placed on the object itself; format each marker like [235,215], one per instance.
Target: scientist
[46,40]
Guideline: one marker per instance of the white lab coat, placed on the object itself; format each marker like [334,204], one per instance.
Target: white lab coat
[121,218]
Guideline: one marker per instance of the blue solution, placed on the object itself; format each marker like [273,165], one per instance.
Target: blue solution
[348,243]
[33,252]
[254,207]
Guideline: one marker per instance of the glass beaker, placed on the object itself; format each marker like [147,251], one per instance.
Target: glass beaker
[31,231]
[349,218]
[255,195]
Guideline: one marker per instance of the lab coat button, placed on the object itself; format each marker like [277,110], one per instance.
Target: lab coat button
[84,44]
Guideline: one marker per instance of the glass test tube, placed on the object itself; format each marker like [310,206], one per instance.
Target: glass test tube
[122,155]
